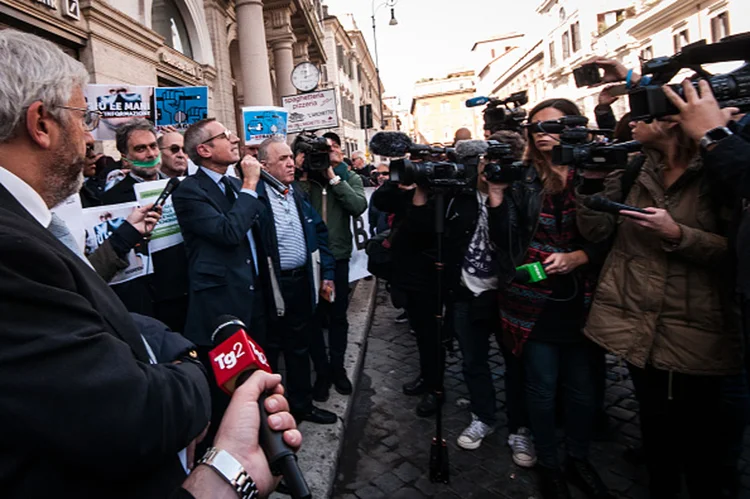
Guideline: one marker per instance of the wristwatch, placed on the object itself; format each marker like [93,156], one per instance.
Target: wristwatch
[232,471]
[335,180]
[714,136]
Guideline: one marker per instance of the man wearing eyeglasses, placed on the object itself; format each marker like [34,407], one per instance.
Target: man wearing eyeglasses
[174,161]
[219,215]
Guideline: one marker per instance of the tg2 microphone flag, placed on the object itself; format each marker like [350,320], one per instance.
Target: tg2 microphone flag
[233,360]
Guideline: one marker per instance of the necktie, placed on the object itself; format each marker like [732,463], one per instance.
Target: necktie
[58,229]
[228,190]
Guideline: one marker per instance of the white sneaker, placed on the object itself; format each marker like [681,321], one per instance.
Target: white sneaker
[522,447]
[472,436]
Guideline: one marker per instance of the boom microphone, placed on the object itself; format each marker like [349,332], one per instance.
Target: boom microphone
[477,101]
[173,184]
[390,144]
[233,360]
[468,149]
[273,182]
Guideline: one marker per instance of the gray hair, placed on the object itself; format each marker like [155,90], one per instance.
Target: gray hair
[122,135]
[263,147]
[358,154]
[195,135]
[34,69]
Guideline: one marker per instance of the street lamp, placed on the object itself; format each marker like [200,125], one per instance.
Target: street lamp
[392,22]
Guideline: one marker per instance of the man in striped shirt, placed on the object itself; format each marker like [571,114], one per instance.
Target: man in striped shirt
[296,238]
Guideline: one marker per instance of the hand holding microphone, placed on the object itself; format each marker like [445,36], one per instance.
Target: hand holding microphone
[234,360]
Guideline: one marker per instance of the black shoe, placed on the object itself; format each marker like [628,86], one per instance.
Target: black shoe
[321,389]
[552,484]
[342,383]
[416,387]
[402,318]
[635,455]
[316,415]
[581,474]
[428,405]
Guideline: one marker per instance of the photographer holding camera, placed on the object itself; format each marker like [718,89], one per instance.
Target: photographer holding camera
[337,195]
[532,222]
[663,304]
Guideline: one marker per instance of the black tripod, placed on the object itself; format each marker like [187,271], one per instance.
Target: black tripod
[439,468]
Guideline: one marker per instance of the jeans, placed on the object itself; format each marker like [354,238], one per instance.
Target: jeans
[570,364]
[680,424]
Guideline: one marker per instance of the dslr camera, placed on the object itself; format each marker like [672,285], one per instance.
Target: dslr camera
[648,102]
[499,115]
[316,151]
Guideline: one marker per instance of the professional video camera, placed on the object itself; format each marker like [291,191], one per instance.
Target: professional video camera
[421,168]
[316,151]
[498,115]
[649,102]
[578,149]
[501,166]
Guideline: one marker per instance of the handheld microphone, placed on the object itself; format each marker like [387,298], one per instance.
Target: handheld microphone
[477,101]
[466,149]
[599,203]
[233,360]
[173,184]
[390,144]
[529,273]
[273,182]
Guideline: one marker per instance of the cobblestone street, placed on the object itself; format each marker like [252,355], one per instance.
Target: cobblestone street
[386,445]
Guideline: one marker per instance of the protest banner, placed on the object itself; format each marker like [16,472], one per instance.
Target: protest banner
[180,107]
[263,122]
[167,232]
[118,104]
[311,111]
[99,223]
[360,235]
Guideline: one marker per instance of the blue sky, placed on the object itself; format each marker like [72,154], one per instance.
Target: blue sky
[433,37]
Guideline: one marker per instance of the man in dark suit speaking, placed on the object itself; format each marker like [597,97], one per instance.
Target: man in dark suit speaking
[84,411]
[219,216]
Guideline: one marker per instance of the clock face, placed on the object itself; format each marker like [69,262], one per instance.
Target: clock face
[305,76]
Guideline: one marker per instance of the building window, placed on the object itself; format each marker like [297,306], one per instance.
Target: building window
[566,45]
[647,53]
[492,53]
[359,72]
[445,106]
[552,59]
[167,20]
[340,55]
[575,35]
[719,27]
[562,14]
[680,40]
[425,108]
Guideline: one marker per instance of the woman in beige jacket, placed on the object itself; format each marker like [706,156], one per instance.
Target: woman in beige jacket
[663,305]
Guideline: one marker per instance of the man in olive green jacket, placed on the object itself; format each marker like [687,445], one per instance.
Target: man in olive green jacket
[338,196]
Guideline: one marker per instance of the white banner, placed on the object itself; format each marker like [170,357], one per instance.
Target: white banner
[311,111]
[167,232]
[360,235]
[99,223]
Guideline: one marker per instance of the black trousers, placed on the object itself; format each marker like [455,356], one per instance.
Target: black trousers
[290,335]
[422,309]
[680,423]
[328,363]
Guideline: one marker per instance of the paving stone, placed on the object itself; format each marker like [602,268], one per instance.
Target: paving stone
[369,492]
[407,472]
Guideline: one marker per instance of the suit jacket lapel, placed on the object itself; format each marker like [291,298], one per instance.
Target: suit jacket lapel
[213,191]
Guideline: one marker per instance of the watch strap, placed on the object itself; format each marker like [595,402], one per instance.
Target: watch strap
[335,180]
[232,471]
[707,140]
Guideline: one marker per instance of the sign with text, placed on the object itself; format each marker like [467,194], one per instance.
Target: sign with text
[360,235]
[180,106]
[167,232]
[118,104]
[263,122]
[311,111]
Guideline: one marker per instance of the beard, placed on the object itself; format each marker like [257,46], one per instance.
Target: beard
[65,175]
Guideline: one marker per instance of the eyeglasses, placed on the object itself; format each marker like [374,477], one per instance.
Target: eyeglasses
[226,134]
[90,118]
[174,148]
[380,174]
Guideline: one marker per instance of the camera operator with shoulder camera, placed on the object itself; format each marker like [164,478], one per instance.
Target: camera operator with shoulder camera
[663,305]
[545,302]
[337,195]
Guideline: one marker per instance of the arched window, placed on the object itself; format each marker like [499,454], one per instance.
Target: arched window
[167,20]
[562,13]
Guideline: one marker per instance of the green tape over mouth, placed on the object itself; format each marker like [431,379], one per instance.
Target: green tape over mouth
[146,164]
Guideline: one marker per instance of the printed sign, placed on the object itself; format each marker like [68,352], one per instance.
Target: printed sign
[360,235]
[180,106]
[99,223]
[167,232]
[118,104]
[263,122]
[312,111]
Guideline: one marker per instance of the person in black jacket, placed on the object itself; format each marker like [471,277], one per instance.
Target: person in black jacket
[82,396]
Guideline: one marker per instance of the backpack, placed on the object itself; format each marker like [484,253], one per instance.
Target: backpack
[380,256]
